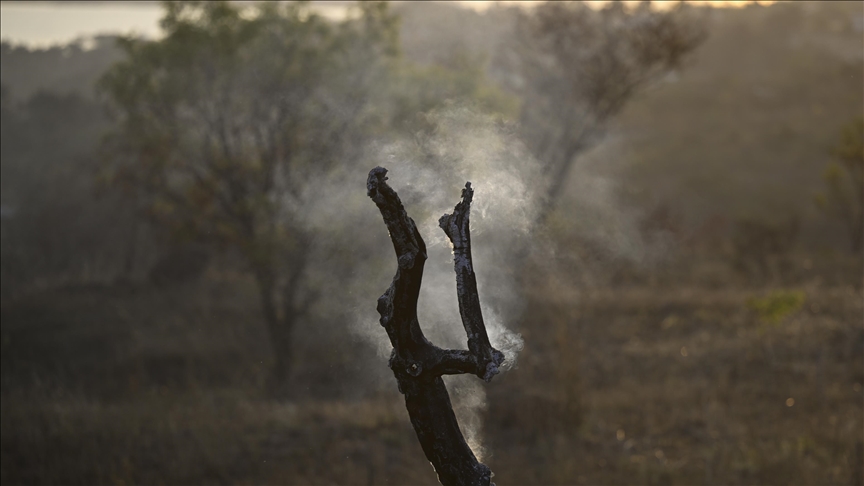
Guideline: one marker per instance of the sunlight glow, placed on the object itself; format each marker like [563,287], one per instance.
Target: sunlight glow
[481,5]
[42,24]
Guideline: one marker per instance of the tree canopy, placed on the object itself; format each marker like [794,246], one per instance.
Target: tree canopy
[226,122]
[577,67]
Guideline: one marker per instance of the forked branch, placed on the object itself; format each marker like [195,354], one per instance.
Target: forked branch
[417,363]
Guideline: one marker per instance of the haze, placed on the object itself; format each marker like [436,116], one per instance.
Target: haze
[43,24]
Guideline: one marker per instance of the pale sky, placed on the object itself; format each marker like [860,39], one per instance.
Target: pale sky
[41,24]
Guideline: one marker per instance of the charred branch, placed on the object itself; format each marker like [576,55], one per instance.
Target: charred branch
[417,363]
[457,229]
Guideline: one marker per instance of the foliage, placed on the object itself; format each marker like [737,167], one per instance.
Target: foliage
[54,229]
[418,89]
[227,124]
[233,108]
[761,248]
[578,67]
[224,122]
[777,305]
[843,198]
[744,129]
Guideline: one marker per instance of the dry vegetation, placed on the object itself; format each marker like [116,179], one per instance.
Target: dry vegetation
[624,384]
[687,385]
[701,322]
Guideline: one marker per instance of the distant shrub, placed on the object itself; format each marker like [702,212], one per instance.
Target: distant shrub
[843,198]
[778,304]
[180,265]
[761,248]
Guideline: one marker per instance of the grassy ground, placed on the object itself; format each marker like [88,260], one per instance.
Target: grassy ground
[689,386]
[633,384]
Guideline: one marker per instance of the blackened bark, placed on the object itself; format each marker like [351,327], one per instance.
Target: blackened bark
[416,362]
[457,229]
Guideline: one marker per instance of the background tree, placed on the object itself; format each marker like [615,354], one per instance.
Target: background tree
[577,67]
[60,69]
[54,228]
[224,121]
[683,380]
[844,197]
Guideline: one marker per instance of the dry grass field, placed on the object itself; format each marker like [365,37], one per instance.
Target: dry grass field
[631,384]
[691,310]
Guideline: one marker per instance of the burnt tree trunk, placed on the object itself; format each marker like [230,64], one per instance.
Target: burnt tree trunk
[417,363]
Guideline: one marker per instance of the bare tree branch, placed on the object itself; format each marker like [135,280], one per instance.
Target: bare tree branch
[417,363]
[456,227]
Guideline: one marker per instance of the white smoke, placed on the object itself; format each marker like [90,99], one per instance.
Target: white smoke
[428,172]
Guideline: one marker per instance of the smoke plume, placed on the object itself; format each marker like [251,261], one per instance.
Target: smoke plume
[428,171]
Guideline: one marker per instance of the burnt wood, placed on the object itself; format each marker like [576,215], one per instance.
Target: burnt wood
[417,363]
